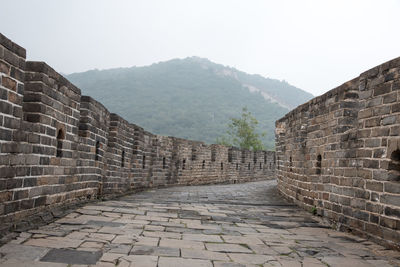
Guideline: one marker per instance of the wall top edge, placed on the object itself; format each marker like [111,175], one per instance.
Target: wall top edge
[352,84]
[42,67]
[13,47]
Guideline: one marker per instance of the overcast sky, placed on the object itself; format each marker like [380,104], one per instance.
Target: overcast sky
[315,45]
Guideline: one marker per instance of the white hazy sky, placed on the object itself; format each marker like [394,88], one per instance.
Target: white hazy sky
[313,44]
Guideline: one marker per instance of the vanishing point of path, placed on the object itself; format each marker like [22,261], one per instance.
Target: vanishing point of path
[217,225]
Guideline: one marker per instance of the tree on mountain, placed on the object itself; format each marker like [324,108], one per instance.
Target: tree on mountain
[242,133]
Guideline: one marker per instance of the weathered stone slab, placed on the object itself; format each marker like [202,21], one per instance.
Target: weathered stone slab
[174,262]
[22,252]
[227,248]
[202,238]
[104,223]
[175,243]
[203,254]
[72,256]
[156,251]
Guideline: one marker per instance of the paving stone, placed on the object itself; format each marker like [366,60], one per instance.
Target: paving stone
[174,243]
[248,240]
[156,251]
[117,248]
[104,223]
[77,235]
[123,239]
[105,237]
[142,260]
[89,211]
[126,230]
[162,214]
[19,263]
[151,218]
[147,241]
[129,211]
[72,256]
[342,261]
[22,252]
[55,242]
[274,264]
[174,262]
[262,249]
[292,263]
[101,264]
[203,238]
[313,262]
[90,244]
[154,228]
[203,254]
[203,227]
[227,248]
[228,264]
[98,207]
[250,258]
[49,232]
[282,249]
[87,218]
[162,234]
[382,263]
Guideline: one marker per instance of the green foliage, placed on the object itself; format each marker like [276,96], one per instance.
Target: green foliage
[314,210]
[191,98]
[242,133]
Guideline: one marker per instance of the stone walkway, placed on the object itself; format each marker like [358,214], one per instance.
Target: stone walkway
[218,225]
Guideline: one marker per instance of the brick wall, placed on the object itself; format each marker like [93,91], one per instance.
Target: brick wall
[340,153]
[58,147]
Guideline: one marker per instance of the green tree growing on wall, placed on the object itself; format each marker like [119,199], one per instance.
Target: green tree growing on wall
[242,133]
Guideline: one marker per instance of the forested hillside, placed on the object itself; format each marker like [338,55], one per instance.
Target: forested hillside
[190,98]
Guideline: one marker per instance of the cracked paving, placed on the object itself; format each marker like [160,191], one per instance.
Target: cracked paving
[215,225]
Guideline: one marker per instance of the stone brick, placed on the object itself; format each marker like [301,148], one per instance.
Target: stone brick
[392,212]
[389,120]
[4,68]
[391,199]
[392,188]
[382,89]
[9,83]
[390,98]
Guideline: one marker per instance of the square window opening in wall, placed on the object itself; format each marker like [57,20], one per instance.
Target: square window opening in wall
[213,155]
[230,156]
[194,157]
[123,159]
[97,150]
[60,138]
[319,164]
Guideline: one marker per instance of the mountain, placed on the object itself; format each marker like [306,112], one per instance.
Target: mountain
[191,98]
